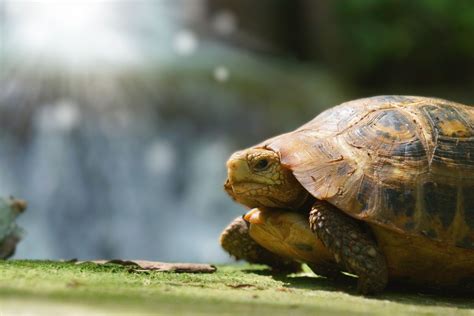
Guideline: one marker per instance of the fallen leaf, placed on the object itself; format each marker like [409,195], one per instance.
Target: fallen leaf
[144,265]
[240,286]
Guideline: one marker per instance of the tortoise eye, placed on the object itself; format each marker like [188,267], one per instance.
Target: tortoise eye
[261,165]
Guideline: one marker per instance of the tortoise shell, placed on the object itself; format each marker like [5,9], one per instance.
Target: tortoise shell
[401,162]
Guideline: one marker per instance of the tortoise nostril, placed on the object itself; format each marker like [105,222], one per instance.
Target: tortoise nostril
[237,165]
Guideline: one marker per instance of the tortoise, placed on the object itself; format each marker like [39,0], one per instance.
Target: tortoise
[380,187]
[10,233]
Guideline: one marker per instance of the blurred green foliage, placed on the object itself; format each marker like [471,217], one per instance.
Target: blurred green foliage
[376,47]
[417,42]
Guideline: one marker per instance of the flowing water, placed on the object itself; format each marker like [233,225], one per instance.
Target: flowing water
[116,130]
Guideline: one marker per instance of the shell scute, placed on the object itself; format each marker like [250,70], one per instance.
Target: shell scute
[388,133]
[447,121]
[440,201]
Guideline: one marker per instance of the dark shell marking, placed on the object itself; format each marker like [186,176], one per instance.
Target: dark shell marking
[388,133]
[405,163]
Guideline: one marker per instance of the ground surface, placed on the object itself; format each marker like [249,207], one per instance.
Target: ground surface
[67,288]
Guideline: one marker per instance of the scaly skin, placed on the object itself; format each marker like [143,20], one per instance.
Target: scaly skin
[256,178]
[352,247]
[236,241]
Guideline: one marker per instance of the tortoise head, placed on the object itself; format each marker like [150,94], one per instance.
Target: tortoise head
[256,178]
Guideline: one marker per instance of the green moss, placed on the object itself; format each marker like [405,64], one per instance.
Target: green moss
[41,286]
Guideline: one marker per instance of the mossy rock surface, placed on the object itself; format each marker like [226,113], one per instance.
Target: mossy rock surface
[43,287]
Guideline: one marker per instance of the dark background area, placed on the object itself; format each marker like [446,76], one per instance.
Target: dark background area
[371,46]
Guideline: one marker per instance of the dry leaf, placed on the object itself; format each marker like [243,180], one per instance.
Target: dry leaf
[140,265]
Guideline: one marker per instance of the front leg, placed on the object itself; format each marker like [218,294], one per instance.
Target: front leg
[235,239]
[352,247]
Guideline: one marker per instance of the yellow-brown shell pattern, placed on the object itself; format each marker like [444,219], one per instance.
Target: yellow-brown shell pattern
[405,163]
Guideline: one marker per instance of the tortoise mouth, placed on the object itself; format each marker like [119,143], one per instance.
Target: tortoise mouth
[245,188]
[228,187]
[251,194]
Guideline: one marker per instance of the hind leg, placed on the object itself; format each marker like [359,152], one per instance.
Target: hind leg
[235,239]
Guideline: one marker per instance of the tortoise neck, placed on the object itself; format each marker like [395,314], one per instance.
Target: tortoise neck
[305,204]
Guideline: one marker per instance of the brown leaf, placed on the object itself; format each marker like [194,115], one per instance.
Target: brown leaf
[240,286]
[140,265]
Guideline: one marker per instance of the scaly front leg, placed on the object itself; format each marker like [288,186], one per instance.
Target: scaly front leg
[352,247]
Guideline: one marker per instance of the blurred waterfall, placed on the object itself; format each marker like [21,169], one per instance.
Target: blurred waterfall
[119,181]
[116,125]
